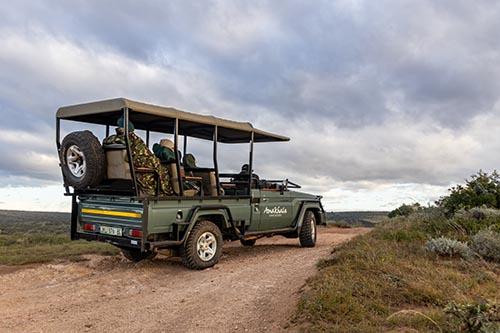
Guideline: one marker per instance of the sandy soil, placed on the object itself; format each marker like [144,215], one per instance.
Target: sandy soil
[252,289]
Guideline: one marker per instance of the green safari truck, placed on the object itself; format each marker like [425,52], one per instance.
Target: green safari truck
[111,201]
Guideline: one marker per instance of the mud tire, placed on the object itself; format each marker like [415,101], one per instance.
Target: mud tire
[93,156]
[189,252]
[308,232]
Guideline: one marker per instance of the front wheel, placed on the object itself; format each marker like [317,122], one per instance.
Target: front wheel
[136,255]
[307,236]
[203,246]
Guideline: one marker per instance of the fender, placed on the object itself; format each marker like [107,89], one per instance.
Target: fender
[194,214]
[314,205]
[199,211]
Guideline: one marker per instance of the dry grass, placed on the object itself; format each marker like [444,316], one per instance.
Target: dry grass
[364,283]
[33,237]
[19,249]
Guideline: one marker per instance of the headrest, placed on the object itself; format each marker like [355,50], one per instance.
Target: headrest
[167,143]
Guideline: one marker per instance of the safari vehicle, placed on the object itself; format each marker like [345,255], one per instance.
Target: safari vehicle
[108,204]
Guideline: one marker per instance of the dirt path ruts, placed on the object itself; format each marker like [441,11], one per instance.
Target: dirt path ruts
[251,290]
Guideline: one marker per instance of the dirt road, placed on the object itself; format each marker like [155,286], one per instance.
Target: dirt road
[251,290]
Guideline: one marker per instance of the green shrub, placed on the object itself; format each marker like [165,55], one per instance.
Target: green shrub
[472,221]
[476,317]
[482,189]
[404,210]
[487,244]
[448,247]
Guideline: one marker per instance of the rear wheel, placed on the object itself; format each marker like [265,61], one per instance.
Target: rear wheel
[203,247]
[307,234]
[248,242]
[137,255]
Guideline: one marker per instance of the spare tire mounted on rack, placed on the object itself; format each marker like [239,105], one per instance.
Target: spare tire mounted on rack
[82,159]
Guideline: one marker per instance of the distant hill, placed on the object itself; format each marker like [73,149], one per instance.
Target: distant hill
[356,219]
[15,221]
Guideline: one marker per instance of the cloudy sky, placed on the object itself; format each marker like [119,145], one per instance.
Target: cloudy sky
[385,101]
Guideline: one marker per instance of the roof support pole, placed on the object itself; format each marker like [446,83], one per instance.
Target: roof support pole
[250,164]
[177,162]
[129,151]
[58,143]
[147,138]
[107,131]
[216,165]
[184,146]
[58,133]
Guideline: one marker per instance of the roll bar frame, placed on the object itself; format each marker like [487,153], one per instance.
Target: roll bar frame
[126,117]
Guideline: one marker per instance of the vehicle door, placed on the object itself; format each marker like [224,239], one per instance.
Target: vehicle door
[275,210]
[255,210]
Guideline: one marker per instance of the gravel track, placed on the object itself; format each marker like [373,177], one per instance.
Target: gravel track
[252,289]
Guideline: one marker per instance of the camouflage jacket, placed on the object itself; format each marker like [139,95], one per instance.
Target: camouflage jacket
[144,158]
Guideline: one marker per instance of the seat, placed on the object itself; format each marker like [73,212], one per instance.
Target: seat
[116,161]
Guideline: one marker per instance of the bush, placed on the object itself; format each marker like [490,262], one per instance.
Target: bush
[482,189]
[448,247]
[476,317]
[486,243]
[405,210]
[384,281]
[472,221]
[478,213]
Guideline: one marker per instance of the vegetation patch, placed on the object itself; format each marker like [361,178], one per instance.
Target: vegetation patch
[486,243]
[480,190]
[33,237]
[388,280]
[405,210]
[449,247]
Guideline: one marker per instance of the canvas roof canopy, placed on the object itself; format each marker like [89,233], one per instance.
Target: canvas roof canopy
[162,119]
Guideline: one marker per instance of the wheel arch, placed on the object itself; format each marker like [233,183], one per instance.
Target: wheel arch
[316,208]
[220,216]
[319,215]
[219,219]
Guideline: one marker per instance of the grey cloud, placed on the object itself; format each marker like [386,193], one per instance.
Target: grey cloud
[338,77]
[357,55]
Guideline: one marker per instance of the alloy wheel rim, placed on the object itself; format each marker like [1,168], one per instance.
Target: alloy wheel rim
[75,161]
[206,246]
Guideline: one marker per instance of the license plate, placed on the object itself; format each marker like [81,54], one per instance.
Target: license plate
[110,231]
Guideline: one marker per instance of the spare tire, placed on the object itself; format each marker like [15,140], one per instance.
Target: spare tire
[82,160]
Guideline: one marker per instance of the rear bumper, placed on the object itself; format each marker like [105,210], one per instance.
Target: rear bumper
[117,241]
[108,211]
